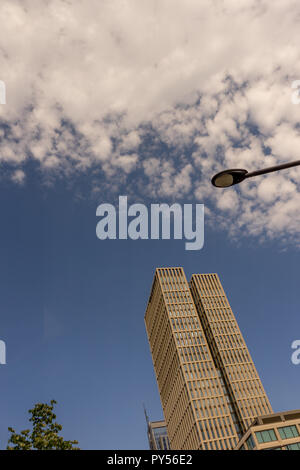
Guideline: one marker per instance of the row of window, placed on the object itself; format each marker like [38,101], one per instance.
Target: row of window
[211,293]
[189,338]
[250,408]
[208,284]
[288,432]
[244,388]
[184,324]
[295,446]
[195,371]
[268,435]
[238,373]
[216,428]
[175,287]
[184,309]
[203,413]
[199,370]
[229,341]
[226,444]
[224,327]
[218,315]
[214,302]
[177,296]
[198,389]
[235,357]
[194,353]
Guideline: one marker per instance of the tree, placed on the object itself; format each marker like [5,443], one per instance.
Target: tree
[44,434]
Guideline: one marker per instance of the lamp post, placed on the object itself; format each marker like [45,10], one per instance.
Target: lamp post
[228,178]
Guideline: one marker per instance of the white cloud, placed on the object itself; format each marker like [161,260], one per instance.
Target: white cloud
[229,202]
[175,90]
[127,162]
[18,177]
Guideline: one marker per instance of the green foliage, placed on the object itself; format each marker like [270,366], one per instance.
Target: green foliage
[44,434]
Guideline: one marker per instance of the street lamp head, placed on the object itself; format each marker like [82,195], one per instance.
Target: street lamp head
[228,178]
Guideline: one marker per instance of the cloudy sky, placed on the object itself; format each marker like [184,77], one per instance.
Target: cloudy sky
[209,82]
[147,98]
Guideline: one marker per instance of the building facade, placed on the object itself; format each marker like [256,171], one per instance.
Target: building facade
[278,431]
[209,388]
[243,385]
[157,435]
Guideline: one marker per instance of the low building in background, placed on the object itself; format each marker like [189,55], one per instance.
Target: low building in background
[157,435]
[278,431]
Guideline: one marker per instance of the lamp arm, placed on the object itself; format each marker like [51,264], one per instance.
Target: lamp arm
[272,168]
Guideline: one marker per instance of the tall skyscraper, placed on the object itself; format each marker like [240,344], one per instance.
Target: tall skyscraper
[202,365]
[231,356]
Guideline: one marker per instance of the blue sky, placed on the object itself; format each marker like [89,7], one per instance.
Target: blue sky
[146,99]
[72,310]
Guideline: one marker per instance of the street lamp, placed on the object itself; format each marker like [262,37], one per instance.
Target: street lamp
[228,178]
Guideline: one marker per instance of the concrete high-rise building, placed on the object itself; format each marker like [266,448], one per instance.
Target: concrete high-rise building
[231,356]
[209,388]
